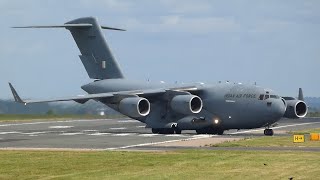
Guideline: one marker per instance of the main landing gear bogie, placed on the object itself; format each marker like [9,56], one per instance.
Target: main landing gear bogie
[210,131]
[166,131]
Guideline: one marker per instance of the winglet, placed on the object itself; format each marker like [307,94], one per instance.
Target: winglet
[16,96]
[300,96]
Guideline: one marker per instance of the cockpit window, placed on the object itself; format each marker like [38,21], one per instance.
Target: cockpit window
[274,96]
[267,96]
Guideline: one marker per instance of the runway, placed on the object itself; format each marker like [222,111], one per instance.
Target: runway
[115,134]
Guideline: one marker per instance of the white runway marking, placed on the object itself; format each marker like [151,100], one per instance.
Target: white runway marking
[140,126]
[99,134]
[153,143]
[119,128]
[35,133]
[90,130]
[201,137]
[127,121]
[52,122]
[70,134]
[10,132]
[148,135]
[96,133]
[59,127]
[175,135]
[124,134]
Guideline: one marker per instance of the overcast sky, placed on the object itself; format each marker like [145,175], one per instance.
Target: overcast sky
[274,43]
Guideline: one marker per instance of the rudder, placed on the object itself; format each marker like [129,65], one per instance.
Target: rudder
[95,55]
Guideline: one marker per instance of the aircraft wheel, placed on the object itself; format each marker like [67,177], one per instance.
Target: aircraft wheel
[220,131]
[206,130]
[212,130]
[155,130]
[166,131]
[178,131]
[268,132]
[200,131]
[163,131]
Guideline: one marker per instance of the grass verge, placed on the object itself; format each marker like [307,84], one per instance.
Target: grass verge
[274,141]
[282,141]
[191,164]
[307,131]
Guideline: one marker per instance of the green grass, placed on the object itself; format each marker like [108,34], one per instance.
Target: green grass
[274,141]
[313,114]
[306,131]
[191,164]
[30,117]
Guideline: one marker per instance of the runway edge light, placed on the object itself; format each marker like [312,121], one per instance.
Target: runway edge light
[298,138]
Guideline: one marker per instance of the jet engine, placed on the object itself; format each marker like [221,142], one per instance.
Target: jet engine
[186,104]
[134,107]
[296,109]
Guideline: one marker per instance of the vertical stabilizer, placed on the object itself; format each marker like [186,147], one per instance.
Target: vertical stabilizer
[300,96]
[95,55]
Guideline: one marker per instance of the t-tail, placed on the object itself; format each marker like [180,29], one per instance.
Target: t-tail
[300,95]
[95,55]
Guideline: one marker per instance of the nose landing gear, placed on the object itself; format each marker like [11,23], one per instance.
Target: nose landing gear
[268,132]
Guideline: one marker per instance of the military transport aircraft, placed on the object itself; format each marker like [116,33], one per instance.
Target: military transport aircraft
[168,109]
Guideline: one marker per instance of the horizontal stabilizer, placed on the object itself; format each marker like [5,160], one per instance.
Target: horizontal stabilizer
[111,28]
[57,26]
[96,55]
[71,26]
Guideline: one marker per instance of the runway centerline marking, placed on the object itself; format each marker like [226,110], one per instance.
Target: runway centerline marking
[35,133]
[99,134]
[140,126]
[175,135]
[70,134]
[119,128]
[123,134]
[10,132]
[127,121]
[89,130]
[148,135]
[52,122]
[60,127]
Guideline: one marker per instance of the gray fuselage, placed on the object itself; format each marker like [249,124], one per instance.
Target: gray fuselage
[225,105]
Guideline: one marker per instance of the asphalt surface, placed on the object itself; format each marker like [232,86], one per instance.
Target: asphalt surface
[111,134]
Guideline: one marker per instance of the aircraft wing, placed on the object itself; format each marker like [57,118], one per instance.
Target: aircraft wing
[84,98]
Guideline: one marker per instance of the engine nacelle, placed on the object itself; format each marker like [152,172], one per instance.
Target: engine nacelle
[296,109]
[186,104]
[134,107]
